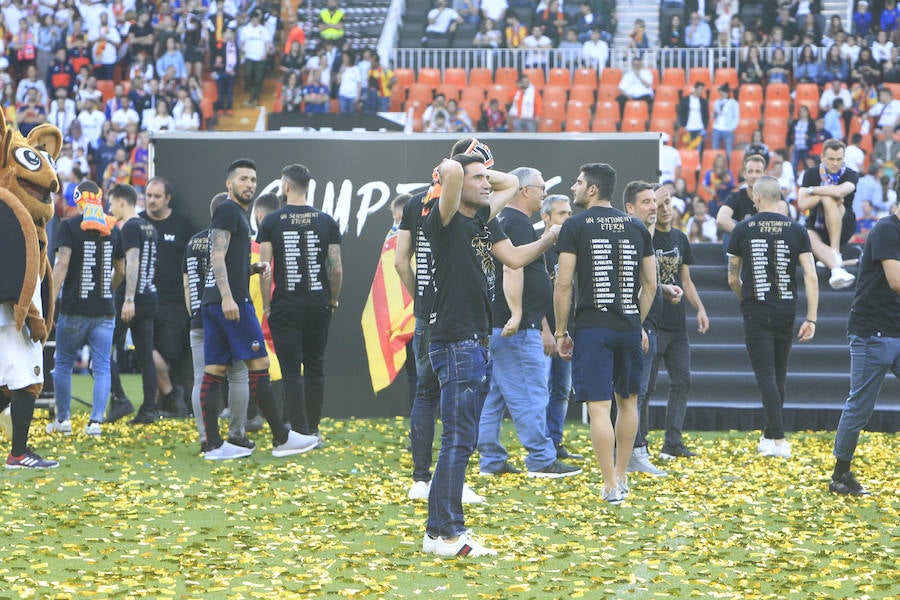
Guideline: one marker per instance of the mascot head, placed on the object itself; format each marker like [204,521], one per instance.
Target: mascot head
[28,168]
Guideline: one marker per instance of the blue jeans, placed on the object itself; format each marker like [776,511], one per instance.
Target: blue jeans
[646,390]
[559,382]
[724,139]
[73,332]
[346,105]
[464,371]
[870,360]
[425,405]
[518,383]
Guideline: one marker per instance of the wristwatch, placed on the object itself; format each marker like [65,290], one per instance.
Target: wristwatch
[129,300]
[564,334]
[809,190]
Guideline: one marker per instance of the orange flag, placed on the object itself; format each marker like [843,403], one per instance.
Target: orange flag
[387,319]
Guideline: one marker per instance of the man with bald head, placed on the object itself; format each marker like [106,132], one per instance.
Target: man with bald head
[763,254]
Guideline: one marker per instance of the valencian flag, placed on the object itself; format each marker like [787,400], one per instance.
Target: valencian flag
[387,319]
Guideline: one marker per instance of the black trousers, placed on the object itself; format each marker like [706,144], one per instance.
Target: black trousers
[300,336]
[769,341]
[142,335]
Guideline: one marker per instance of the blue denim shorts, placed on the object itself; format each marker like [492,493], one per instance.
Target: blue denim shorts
[606,361]
[227,341]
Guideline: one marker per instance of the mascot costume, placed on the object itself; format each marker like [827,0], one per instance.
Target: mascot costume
[27,180]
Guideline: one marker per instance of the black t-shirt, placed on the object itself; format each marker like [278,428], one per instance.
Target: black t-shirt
[196,267]
[816,218]
[876,307]
[87,289]
[673,249]
[740,204]
[651,321]
[230,217]
[300,237]
[414,214]
[769,245]
[537,293]
[464,274]
[608,246]
[172,235]
[139,234]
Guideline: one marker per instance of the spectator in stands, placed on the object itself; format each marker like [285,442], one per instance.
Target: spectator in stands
[515,31]
[47,39]
[735,32]
[779,69]
[866,69]
[780,168]
[881,47]
[788,26]
[890,16]
[725,11]
[890,70]
[142,36]
[834,67]
[693,116]
[835,89]
[807,67]
[91,120]
[757,146]
[255,42]
[60,73]
[31,81]
[638,40]
[584,21]
[140,161]
[105,152]
[726,116]
[292,61]
[809,30]
[315,93]
[569,52]
[224,70]
[850,50]
[31,113]
[349,83]
[701,227]
[458,119]
[595,52]
[835,28]
[494,10]
[222,19]
[834,121]
[62,111]
[868,189]
[115,102]
[886,147]
[753,68]
[189,117]
[8,104]
[6,78]
[105,42]
[439,103]
[118,171]
[526,106]
[865,221]
[442,23]
[172,58]
[718,182]
[669,160]
[864,96]
[382,80]
[141,67]
[537,46]
[124,115]
[488,36]
[636,84]
[553,21]
[331,22]
[468,10]
[697,34]
[801,133]
[862,20]
[438,123]
[887,111]
[673,35]
[161,120]
[495,117]
[854,156]
[194,29]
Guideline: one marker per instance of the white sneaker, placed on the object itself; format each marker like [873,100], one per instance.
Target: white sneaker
[840,278]
[93,429]
[297,443]
[63,427]
[622,485]
[613,496]
[428,543]
[420,490]
[783,449]
[469,496]
[766,446]
[640,463]
[6,423]
[463,546]
[227,451]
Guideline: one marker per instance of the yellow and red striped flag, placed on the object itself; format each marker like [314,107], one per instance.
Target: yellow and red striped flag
[387,319]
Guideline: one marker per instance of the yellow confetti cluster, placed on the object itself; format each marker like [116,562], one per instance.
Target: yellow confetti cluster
[138,513]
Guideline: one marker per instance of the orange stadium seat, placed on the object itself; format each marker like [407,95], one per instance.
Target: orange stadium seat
[709,155]
[210,89]
[736,164]
[778,91]
[744,132]
[481,76]
[727,75]
[577,105]
[421,92]
[536,77]
[503,93]
[456,76]
[673,77]
[554,110]
[690,165]
[473,109]
[472,93]
[633,125]
[405,77]
[582,93]
[429,76]
[556,93]
[607,109]
[666,93]
[777,109]
[559,76]
[775,132]
[607,92]
[585,76]
[751,109]
[611,76]
[663,126]
[811,103]
[700,74]
[604,125]
[107,88]
[578,123]
[506,76]
[751,92]
[450,90]
[664,110]
[549,125]
[582,111]
[636,109]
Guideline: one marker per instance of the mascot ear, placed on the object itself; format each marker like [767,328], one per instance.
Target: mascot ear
[5,139]
[47,137]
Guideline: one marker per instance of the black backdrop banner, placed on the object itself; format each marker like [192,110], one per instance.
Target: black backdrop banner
[355,176]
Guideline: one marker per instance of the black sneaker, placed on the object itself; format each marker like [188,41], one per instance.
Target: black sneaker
[119,408]
[243,442]
[254,424]
[563,454]
[174,406]
[673,452]
[555,470]
[505,469]
[144,417]
[848,485]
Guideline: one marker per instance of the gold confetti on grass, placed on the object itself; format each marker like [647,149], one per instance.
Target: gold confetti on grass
[138,513]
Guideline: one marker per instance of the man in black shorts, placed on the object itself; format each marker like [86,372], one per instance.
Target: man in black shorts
[763,255]
[306,245]
[231,329]
[828,196]
[170,332]
[874,330]
[138,301]
[612,255]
